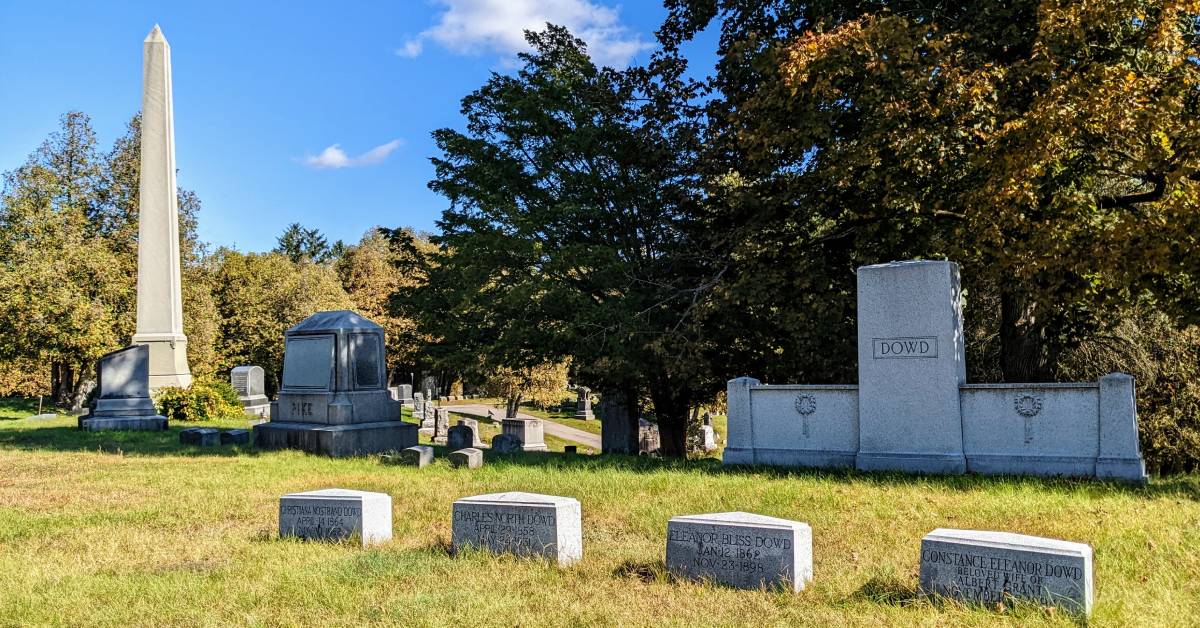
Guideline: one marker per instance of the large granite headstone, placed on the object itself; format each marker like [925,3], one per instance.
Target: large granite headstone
[335,514]
[741,550]
[986,567]
[248,382]
[334,399]
[911,362]
[123,378]
[526,524]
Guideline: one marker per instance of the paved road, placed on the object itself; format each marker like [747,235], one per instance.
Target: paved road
[554,429]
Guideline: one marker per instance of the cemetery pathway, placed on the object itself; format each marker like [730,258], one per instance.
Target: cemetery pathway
[554,429]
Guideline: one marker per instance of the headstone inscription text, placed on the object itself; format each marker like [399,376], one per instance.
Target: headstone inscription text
[240,384]
[525,524]
[988,567]
[899,348]
[741,550]
[336,514]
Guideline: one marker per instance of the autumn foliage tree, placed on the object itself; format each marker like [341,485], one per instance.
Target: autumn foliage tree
[1050,147]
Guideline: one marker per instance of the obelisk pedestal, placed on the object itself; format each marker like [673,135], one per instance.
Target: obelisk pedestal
[159,299]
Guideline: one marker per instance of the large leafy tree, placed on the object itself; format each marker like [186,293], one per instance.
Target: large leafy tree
[371,271]
[258,296]
[571,230]
[1051,147]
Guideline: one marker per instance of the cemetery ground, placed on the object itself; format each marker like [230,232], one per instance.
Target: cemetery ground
[133,529]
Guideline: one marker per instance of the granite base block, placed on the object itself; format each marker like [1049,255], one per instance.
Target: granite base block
[235,437]
[338,441]
[936,464]
[133,423]
[201,436]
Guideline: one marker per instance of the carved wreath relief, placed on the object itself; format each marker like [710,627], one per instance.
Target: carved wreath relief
[1028,405]
[806,404]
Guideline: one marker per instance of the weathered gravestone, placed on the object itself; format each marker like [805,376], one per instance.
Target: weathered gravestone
[418,406]
[462,436]
[986,567]
[912,409]
[335,514]
[334,400]
[583,404]
[525,524]
[428,418]
[417,456]
[403,393]
[708,438]
[648,438]
[506,444]
[741,550]
[248,382]
[619,432]
[528,431]
[468,457]
[201,436]
[235,437]
[473,425]
[441,426]
[123,378]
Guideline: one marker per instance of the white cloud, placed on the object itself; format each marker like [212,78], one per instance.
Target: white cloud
[498,26]
[334,157]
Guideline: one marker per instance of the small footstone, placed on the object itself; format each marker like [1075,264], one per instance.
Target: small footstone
[985,567]
[335,514]
[468,457]
[526,524]
[418,456]
[235,437]
[506,444]
[741,550]
[570,449]
[202,436]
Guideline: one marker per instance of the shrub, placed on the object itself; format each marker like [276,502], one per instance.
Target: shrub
[204,400]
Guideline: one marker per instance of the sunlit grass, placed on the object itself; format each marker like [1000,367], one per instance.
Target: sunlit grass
[132,529]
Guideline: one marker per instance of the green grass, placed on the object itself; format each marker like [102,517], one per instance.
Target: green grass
[565,418]
[19,408]
[132,529]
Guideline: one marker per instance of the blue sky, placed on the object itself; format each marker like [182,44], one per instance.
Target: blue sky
[318,113]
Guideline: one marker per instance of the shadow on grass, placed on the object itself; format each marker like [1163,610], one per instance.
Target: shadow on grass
[72,439]
[889,590]
[166,443]
[646,571]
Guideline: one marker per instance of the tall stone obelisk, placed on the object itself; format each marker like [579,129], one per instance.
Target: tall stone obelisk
[159,301]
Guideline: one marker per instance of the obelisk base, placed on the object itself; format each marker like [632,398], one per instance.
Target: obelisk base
[168,359]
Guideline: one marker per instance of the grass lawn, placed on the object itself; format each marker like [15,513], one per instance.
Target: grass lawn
[565,418]
[133,529]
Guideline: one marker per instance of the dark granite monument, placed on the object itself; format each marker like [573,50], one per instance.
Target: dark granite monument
[123,378]
[334,399]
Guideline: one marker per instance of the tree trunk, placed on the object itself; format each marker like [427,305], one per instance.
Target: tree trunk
[1025,353]
[671,408]
[619,421]
[513,404]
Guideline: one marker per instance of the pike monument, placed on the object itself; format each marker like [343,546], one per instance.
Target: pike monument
[159,301]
